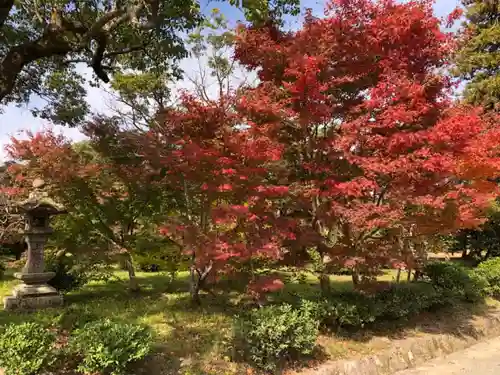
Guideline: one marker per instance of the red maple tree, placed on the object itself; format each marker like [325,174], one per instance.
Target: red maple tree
[373,144]
[225,211]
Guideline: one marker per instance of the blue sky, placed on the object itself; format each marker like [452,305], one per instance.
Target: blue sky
[14,120]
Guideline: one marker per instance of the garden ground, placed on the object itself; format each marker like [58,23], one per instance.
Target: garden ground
[196,341]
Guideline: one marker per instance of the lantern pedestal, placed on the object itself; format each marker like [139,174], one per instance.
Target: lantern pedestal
[34,293]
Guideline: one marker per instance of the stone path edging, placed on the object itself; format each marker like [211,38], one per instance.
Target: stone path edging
[411,352]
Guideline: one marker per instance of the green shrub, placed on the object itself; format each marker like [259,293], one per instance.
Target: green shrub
[489,273]
[404,300]
[348,309]
[355,310]
[72,272]
[68,275]
[275,333]
[109,347]
[453,281]
[26,349]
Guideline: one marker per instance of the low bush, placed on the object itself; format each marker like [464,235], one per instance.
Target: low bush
[489,273]
[404,300]
[109,347]
[275,333]
[348,309]
[454,282]
[68,275]
[72,272]
[355,310]
[26,349]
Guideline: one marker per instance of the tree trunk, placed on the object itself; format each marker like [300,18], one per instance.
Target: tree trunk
[464,253]
[133,283]
[194,287]
[408,278]
[418,275]
[398,276]
[355,277]
[198,280]
[324,283]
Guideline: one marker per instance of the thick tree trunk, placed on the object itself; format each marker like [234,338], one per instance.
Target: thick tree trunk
[324,283]
[408,277]
[464,253]
[133,283]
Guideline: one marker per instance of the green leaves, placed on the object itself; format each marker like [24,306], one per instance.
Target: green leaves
[26,349]
[47,44]
[109,346]
[259,12]
[275,333]
[478,59]
[103,346]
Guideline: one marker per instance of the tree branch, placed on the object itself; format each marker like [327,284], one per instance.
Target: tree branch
[54,43]
[21,55]
[96,64]
[137,47]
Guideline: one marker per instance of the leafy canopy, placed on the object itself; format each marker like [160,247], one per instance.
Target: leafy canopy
[46,45]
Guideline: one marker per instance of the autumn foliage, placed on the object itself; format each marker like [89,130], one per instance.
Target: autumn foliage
[350,146]
[373,143]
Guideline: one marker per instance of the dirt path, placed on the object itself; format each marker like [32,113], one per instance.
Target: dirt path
[480,359]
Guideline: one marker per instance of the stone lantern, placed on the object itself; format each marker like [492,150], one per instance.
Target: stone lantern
[34,292]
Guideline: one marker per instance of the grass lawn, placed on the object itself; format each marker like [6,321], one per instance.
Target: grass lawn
[197,341]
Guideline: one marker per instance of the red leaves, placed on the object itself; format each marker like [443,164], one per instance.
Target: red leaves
[265,284]
[369,136]
[454,16]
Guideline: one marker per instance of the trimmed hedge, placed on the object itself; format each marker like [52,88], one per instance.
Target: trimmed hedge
[26,349]
[276,333]
[454,282]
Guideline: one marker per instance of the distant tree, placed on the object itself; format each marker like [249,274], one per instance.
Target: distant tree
[478,59]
